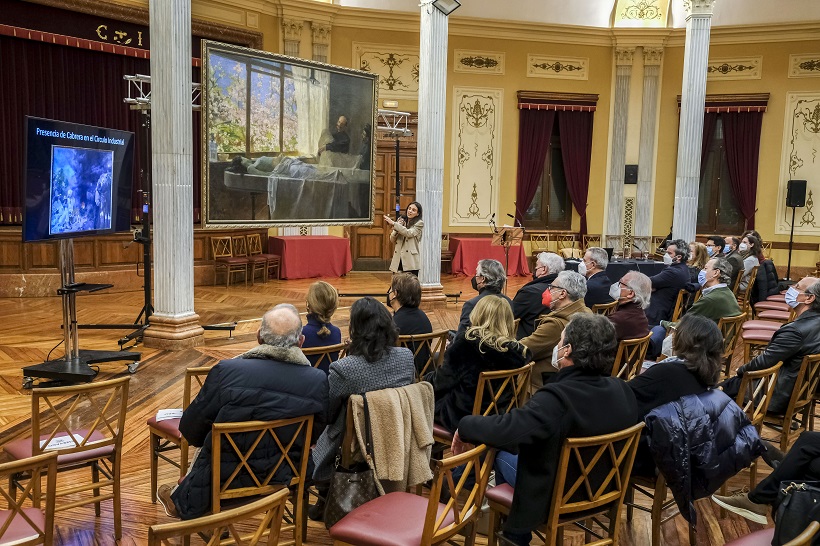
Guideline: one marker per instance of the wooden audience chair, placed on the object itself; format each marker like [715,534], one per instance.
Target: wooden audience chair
[743,299]
[326,354]
[591,240]
[630,356]
[86,422]
[730,328]
[497,392]
[446,253]
[29,525]
[605,309]
[539,244]
[272,261]
[660,504]
[566,240]
[755,342]
[285,433]
[516,324]
[264,516]
[640,247]
[682,303]
[617,244]
[222,248]
[257,262]
[575,500]
[419,520]
[434,342]
[799,408]
[164,436]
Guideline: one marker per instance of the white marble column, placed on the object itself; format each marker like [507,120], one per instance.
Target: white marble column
[615,203]
[652,58]
[693,100]
[291,37]
[430,162]
[174,325]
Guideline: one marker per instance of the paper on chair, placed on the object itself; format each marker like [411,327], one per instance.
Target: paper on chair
[62,442]
[165,414]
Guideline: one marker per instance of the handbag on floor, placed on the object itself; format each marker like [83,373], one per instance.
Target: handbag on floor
[797,505]
[351,487]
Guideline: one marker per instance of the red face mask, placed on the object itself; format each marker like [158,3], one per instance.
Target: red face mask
[546,298]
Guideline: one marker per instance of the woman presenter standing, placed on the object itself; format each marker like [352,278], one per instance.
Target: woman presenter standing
[406,234]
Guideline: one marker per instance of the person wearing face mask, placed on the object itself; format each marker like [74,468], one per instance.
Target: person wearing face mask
[667,283]
[595,262]
[752,256]
[565,298]
[698,256]
[789,344]
[404,297]
[714,246]
[633,293]
[731,253]
[489,279]
[581,400]
[527,305]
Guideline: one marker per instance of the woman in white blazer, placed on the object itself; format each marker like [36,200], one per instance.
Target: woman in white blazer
[406,234]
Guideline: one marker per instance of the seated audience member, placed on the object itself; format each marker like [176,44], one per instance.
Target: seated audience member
[752,256]
[581,400]
[488,345]
[633,293]
[489,279]
[565,297]
[731,253]
[697,260]
[754,234]
[527,305]
[269,382]
[404,298]
[714,246]
[322,301]
[789,344]
[595,262]
[667,283]
[373,362]
[800,464]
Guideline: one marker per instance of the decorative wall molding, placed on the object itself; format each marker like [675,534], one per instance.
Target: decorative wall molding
[699,7]
[396,65]
[476,155]
[292,30]
[735,68]
[804,66]
[652,56]
[799,161]
[624,55]
[565,68]
[320,33]
[641,13]
[478,62]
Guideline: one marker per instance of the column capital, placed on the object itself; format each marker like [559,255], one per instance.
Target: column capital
[292,30]
[320,33]
[699,7]
[624,55]
[652,56]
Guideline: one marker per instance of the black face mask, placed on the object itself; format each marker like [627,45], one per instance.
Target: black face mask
[474,283]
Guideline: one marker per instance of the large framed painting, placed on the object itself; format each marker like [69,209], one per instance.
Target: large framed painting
[285,141]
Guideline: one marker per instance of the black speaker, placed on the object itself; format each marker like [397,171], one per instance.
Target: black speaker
[630,174]
[796,193]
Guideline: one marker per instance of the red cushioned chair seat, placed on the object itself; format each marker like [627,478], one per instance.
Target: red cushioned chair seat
[21,449]
[257,259]
[227,260]
[501,494]
[441,432]
[758,538]
[777,297]
[19,528]
[772,305]
[395,519]
[757,335]
[168,426]
[762,325]
[769,314]
[270,257]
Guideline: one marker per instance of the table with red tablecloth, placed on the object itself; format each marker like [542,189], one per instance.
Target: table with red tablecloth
[467,251]
[308,256]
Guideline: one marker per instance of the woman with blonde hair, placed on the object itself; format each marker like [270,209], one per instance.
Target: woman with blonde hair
[322,301]
[698,256]
[489,344]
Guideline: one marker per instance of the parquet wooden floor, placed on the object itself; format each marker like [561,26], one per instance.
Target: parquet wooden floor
[30,328]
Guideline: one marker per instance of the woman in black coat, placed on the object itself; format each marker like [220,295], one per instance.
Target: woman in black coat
[489,344]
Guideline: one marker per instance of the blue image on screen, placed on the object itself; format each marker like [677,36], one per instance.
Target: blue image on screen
[81,186]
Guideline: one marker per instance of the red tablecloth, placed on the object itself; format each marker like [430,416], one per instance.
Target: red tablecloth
[308,256]
[467,251]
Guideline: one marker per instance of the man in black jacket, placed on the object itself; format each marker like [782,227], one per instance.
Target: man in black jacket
[271,381]
[667,283]
[527,305]
[789,344]
[731,253]
[581,400]
[595,261]
[489,279]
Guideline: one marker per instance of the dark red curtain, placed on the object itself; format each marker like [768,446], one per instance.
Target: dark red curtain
[575,130]
[741,134]
[66,84]
[709,122]
[534,132]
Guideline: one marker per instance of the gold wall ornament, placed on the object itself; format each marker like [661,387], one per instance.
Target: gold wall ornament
[804,66]
[808,217]
[118,36]
[478,62]
[641,13]
[396,65]
[547,66]
[811,118]
[642,9]
[736,68]
[477,114]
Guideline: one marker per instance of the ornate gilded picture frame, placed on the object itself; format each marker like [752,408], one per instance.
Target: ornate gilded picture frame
[285,141]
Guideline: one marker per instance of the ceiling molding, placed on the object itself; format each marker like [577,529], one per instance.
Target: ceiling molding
[753,34]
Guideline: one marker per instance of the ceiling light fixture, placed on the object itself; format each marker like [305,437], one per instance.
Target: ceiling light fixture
[444,6]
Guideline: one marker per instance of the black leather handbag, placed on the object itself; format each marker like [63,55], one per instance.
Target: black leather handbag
[351,487]
[797,505]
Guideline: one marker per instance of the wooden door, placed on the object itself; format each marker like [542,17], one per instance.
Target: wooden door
[370,245]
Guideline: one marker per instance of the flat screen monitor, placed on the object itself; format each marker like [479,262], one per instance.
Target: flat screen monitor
[77,180]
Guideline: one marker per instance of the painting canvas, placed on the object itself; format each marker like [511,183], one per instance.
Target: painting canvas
[286,141]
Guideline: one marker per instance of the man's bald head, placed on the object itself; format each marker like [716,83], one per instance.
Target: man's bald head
[281,327]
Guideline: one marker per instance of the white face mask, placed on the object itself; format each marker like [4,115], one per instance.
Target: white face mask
[667,259]
[615,291]
[791,297]
[555,359]
[582,268]
[743,247]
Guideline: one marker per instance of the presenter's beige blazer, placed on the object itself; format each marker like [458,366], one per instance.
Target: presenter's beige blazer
[407,246]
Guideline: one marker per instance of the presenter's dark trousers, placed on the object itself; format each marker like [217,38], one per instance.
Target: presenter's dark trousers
[802,463]
[414,272]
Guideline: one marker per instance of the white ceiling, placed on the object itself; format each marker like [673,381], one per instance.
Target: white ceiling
[598,13]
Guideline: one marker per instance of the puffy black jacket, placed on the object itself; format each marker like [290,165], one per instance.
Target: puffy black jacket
[698,442]
[264,384]
[766,283]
